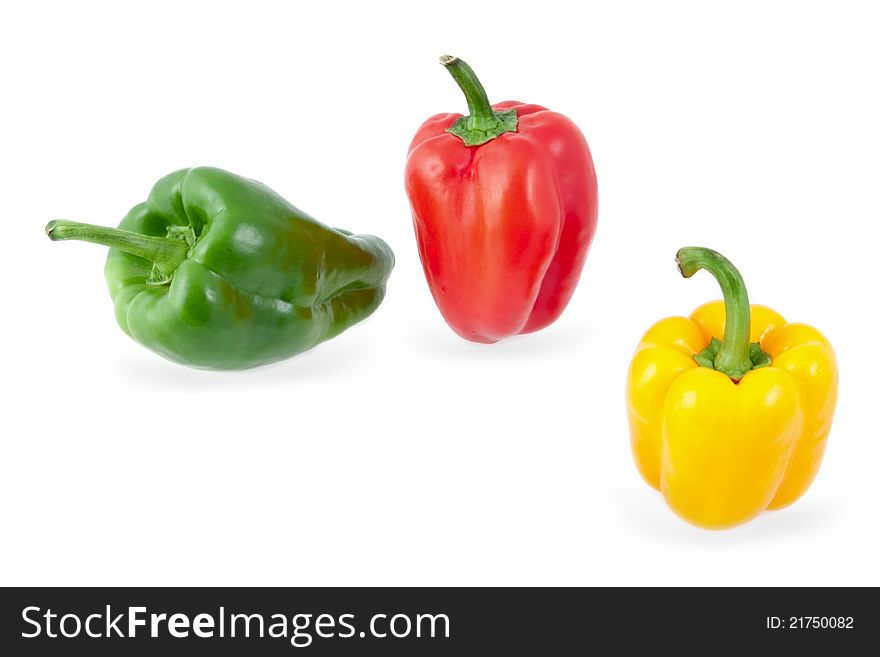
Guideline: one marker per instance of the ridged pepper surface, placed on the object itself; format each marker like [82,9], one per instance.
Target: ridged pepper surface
[730,408]
[504,205]
[218,271]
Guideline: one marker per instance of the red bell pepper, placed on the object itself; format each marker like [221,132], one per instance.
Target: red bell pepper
[504,205]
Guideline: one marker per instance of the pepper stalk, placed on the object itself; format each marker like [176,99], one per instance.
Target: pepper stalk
[166,253]
[483,123]
[734,355]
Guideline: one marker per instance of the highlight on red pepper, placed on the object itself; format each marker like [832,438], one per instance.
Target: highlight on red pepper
[504,205]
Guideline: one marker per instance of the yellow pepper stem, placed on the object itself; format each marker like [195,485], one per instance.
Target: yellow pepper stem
[734,355]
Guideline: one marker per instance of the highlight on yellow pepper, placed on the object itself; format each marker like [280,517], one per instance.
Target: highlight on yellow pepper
[729,409]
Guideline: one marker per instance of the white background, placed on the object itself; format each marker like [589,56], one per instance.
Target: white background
[399,453]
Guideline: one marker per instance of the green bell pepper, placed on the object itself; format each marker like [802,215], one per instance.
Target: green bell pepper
[217,271]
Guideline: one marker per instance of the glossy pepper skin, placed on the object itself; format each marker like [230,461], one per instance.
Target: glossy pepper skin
[504,205]
[218,271]
[729,427]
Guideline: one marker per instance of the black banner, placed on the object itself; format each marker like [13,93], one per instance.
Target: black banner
[436,621]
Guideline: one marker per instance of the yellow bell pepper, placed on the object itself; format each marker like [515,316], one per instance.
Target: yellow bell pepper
[729,409]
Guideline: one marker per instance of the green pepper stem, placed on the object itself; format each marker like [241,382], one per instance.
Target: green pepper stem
[166,253]
[482,123]
[733,356]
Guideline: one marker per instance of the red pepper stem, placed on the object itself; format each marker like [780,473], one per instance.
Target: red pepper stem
[733,357]
[482,123]
[164,252]
[479,108]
